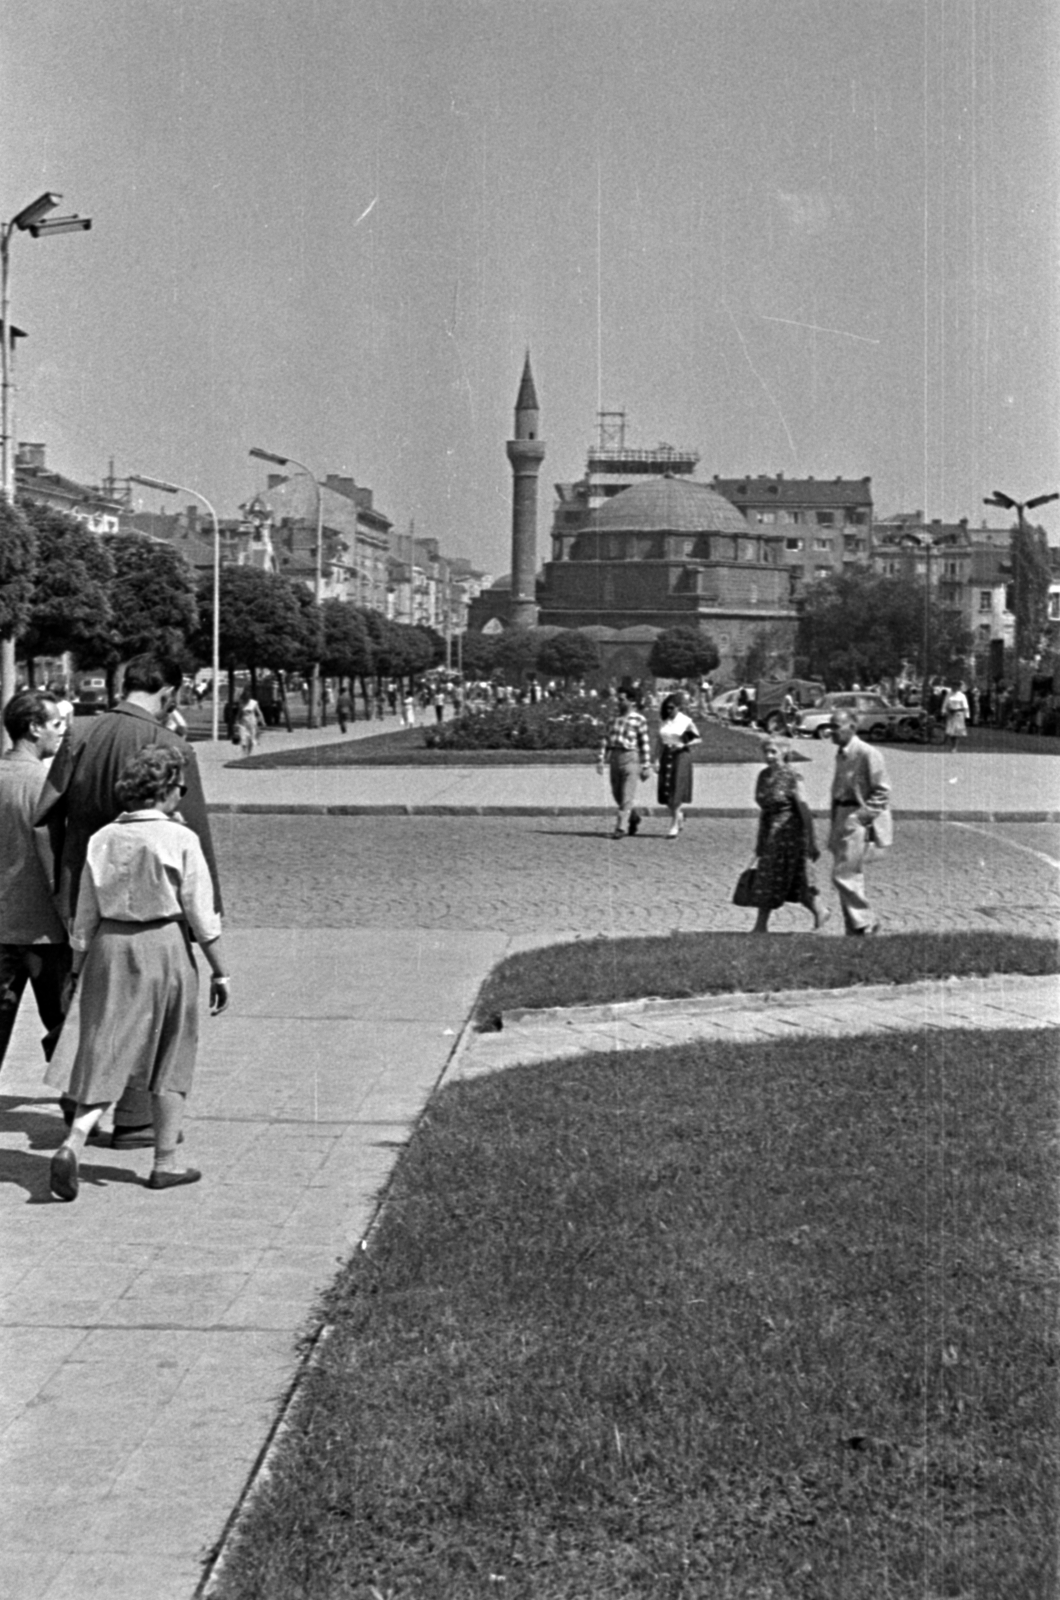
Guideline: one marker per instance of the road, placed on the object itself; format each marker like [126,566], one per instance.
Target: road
[532,875]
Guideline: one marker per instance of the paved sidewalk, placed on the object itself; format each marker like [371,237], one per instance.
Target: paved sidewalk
[926,784]
[146,1339]
[1014,1002]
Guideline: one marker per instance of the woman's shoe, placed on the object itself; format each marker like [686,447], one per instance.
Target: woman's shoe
[674,831]
[820,918]
[63,1177]
[173,1180]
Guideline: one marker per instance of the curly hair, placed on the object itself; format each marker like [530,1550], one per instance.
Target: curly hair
[149,777]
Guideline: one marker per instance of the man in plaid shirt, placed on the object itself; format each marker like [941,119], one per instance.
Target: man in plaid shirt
[626,750]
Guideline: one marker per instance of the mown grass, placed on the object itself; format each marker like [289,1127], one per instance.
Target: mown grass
[674,966]
[764,1321]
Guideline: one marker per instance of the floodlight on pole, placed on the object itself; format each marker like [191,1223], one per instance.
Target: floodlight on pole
[1007,503]
[60,225]
[215,651]
[318,578]
[30,219]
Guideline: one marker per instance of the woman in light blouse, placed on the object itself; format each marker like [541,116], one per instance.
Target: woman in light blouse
[145,893]
[677,734]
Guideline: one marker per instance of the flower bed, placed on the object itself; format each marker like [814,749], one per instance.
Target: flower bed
[549,725]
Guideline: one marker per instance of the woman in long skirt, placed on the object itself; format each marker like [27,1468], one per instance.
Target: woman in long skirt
[677,734]
[145,894]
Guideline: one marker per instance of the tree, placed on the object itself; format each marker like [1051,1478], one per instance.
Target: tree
[1029,598]
[858,627]
[263,623]
[152,604]
[18,557]
[569,655]
[347,648]
[516,653]
[478,653]
[683,652]
[71,604]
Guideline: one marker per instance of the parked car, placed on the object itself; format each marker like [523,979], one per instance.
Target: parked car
[875,717]
[723,705]
[90,695]
[771,694]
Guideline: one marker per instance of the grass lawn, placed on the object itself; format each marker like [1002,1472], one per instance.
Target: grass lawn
[737,1323]
[404,747]
[674,966]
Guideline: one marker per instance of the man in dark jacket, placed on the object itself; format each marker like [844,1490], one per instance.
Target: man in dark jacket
[79,798]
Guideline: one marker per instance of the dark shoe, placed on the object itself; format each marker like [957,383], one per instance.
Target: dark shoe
[173,1180]
[634,822]
[63,1176]
[142,1138]
[68,1108]
[618,834]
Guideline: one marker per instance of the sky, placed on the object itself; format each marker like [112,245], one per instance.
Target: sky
[801,236]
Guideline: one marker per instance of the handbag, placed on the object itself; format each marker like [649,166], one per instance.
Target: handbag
[744,893]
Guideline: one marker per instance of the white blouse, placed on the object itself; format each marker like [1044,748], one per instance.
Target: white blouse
[142,867]
[672,733]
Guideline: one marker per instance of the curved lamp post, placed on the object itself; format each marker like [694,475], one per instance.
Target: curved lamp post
[1006,502]
[318,577]
[180,488]
[34,220]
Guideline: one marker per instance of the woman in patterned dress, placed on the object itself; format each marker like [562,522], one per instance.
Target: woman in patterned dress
[786,842]
[677,734]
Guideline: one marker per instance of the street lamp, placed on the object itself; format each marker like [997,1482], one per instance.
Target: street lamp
[29,220]
[318,579]
[180,488]
[1006,502]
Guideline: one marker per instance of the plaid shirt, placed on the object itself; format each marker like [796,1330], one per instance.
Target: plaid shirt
[627,731]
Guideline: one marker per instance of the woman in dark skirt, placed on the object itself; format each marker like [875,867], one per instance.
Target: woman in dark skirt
[786,843]
[677,734]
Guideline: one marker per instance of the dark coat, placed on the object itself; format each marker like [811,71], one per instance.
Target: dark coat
[79,797]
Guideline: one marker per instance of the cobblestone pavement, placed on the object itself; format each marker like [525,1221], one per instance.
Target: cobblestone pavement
[531,875]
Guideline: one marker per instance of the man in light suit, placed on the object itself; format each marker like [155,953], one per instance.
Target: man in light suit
[860,816]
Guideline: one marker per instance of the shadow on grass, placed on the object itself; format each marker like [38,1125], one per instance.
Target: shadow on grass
[746,1321]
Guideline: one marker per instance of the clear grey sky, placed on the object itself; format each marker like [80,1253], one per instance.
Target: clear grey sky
[808,236]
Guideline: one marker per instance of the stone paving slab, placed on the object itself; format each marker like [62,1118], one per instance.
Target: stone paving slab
[1015,1002]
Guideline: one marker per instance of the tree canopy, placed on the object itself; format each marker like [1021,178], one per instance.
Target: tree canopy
[1029,593]
[568,655]
[858,627]
[347,649]
[71,601]
[18,560]
[263,623]
[682,652]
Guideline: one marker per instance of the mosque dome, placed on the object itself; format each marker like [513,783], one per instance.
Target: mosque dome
[670,505]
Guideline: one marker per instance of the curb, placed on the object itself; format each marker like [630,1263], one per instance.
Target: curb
[740,813]
[704,1005]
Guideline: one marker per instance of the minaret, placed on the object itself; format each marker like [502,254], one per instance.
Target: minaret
[526,453]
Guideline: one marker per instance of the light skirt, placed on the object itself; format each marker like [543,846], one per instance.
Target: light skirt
[138,1013]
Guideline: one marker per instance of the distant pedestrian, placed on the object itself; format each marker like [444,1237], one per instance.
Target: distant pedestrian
[33,947]
[344,708]
[249,723]
[677,734]
[626,752]
[145,893]
[860,816]
[438,701]
[408,709]
[786,842]
[957,713]
[65,704]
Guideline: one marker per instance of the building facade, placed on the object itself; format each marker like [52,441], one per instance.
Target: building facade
[814,527]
